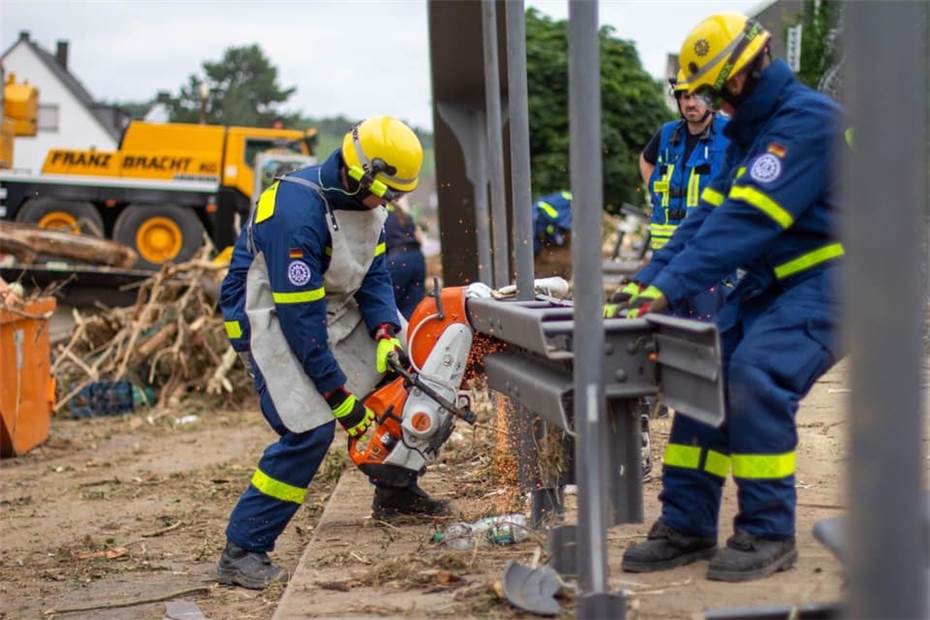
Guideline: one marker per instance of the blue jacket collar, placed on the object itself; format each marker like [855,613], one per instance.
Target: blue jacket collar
[332,184]
[761,104]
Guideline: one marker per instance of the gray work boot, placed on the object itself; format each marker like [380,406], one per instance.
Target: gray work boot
[748,557]
[666,548]
[249,569]
[411,500]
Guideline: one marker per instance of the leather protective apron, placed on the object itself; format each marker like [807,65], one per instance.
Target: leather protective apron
[353,237]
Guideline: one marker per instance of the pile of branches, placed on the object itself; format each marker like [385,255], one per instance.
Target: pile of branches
[171,340]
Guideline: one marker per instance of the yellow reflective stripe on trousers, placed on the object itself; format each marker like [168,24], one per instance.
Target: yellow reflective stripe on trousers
[380,249]
[694,184]
[277,489]
[681,455]
[759,200]
[265,207]
[811,259]
[712,197]
[233,329]
[548,209]
[657,243]
[763,466]
[717,463]
[299,297]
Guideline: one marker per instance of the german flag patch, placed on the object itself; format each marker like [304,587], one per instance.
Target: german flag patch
[295,253]
[777,149]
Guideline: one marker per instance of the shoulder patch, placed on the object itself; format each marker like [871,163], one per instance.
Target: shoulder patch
[766,168]
[298,273]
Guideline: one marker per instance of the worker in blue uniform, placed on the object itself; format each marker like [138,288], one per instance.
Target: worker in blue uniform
[677,165]
[771,212]
[308,302]
[552,220]
[405,260]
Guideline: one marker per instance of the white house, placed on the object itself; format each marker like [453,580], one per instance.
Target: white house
[68,115]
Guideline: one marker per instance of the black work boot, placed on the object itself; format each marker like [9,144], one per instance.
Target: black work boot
[748,557]
[249,569]
[666,548]
[410,500]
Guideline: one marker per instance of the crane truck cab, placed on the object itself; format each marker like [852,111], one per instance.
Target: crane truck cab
[165,187]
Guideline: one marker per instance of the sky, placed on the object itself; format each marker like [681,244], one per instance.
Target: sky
[352,57]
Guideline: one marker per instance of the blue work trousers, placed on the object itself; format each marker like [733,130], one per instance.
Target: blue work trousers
[280,482]
[408,271]
[777,341]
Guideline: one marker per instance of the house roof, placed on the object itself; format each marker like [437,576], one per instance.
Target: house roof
[103,113]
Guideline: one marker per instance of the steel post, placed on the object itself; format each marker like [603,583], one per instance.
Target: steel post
[495,145]
[520,179]
[884,215]
[482,212]
[589,408]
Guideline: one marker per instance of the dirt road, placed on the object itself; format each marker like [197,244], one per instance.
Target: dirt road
[120,509]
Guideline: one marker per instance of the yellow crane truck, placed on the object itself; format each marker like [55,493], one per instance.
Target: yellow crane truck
[165,187]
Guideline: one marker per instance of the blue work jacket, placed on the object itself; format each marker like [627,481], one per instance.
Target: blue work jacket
[298,231]
[552,218]
[773,209]
[675,185]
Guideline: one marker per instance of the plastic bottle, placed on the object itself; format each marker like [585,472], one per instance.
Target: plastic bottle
[500,530]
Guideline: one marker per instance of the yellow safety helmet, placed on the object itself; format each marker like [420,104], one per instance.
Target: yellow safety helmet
[383,155]
[718,48]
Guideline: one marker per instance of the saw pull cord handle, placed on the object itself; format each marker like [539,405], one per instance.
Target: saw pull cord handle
[414,380]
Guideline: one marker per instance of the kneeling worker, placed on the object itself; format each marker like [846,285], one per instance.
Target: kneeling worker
[308,301]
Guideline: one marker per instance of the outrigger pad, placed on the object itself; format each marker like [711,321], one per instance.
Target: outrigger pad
[532,589]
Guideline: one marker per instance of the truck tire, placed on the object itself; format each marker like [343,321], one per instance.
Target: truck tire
[58,214]
[159,233]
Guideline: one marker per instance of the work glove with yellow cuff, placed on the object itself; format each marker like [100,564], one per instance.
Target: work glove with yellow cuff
[621,299]
[349,411]
[649,300]
[388,343]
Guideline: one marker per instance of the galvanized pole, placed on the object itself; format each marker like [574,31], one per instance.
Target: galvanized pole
[590,410]
[492,104]
[482,212]
[520,150]
[885,202]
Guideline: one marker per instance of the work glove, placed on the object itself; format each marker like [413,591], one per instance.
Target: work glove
[388,343]
[622,298]
[349,411]
[649,300]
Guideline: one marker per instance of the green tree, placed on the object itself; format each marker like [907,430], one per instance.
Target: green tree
[242,89]
[819,40]
[632,109]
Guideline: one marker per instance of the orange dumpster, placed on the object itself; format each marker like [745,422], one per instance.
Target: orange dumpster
[27,389]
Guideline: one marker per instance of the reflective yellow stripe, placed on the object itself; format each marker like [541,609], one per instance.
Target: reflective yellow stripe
[757,199]
[657,243]
[266,203]
[548,209]
[567,195]
[811,259]
[667,192]
[762,466]
[345,408]
[717,463]
[379,249]
[299,297]
[740,171]
[712,197]
[681,455]
[694,184]
[233,329]
[662,230]
[277,489]
[848,136]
